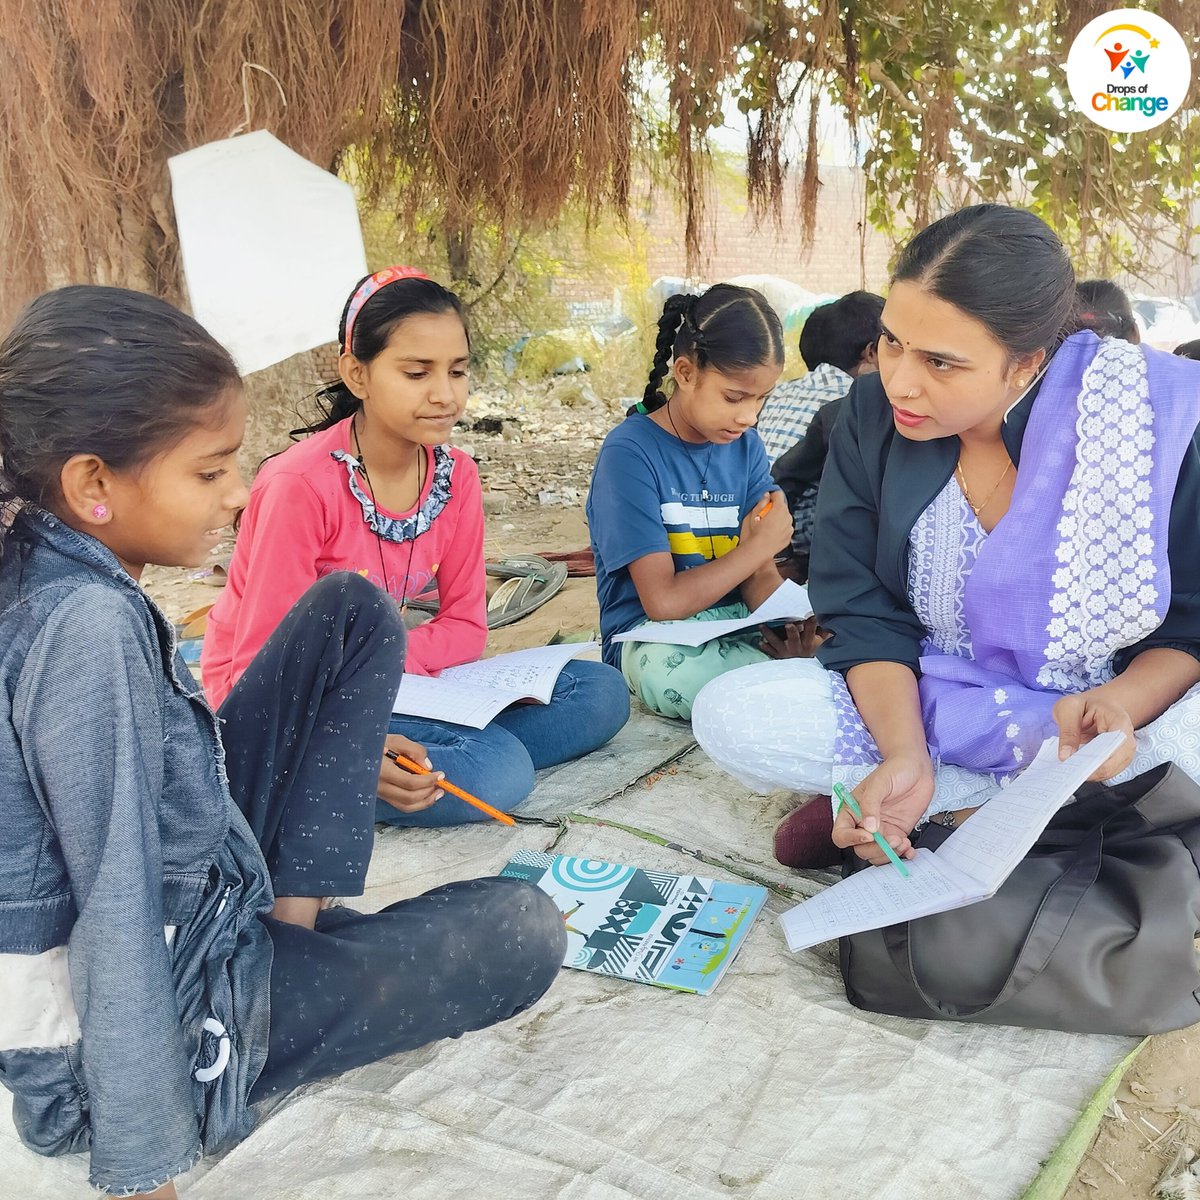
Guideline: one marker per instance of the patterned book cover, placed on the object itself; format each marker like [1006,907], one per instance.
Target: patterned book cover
[673,931]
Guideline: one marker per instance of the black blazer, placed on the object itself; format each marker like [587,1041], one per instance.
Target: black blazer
[877,483]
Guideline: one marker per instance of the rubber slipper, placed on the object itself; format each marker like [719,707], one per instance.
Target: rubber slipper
[190,634]
[194,624]
[568,637]
[216,575]
[529,581]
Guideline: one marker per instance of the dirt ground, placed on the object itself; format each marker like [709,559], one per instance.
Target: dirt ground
[533,495]
[1155,1114]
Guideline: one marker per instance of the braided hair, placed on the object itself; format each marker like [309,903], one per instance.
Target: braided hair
[728,328]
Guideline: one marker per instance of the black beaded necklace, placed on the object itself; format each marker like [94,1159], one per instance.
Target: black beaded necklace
[412,545]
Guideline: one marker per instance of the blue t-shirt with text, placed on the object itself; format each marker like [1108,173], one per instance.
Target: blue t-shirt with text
[652,492]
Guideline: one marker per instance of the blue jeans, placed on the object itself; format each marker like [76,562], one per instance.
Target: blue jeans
[590,702]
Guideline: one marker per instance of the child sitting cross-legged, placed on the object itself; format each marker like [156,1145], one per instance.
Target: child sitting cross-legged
[375,489]
[685,520]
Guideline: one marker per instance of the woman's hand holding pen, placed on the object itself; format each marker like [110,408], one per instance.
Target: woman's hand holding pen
[402,789]
[893,798]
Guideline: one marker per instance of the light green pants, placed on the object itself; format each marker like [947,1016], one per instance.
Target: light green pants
[667,678]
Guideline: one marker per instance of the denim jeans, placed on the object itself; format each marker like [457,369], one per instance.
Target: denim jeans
[589,704]
[360,987]
[304,729]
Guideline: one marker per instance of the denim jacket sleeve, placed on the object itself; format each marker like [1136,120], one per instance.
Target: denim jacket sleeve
[88,709]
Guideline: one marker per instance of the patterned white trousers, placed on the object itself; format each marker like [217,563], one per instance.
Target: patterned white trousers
[773,725]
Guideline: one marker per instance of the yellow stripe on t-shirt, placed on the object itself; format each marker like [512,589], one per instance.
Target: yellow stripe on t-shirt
[688,543]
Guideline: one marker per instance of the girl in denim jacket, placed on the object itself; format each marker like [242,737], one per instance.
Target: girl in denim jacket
[165,957]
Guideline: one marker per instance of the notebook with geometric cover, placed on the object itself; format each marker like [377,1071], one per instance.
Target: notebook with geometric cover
[673,931]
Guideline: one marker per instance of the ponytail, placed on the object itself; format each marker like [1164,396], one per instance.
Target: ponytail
[729,328]
[335,402]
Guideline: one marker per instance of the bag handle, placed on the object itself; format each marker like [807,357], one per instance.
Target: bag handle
[1050,922]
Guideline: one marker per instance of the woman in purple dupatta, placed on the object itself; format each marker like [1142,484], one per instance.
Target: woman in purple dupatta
[1004,551]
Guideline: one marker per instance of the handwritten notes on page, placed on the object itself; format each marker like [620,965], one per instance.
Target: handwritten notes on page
[475,692]
[969,867]
[788,602]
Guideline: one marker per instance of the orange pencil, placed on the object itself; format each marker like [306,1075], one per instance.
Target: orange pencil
[768,504]
[417,769]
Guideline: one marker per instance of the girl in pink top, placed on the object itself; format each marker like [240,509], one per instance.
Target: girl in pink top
[375,491]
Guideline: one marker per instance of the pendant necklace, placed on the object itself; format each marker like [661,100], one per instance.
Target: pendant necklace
[412,545]
[962,483]
[704,496]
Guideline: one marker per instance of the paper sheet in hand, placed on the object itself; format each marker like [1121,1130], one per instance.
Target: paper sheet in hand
[672,931]
[788,602]
[967,868]
[475,692]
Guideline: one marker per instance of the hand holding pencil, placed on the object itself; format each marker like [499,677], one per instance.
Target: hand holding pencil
[768,524]
[407,781]
[406,790]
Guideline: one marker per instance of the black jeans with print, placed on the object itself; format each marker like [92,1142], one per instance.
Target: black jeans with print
[303,731]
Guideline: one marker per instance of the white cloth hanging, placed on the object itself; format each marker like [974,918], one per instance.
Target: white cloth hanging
[270,243]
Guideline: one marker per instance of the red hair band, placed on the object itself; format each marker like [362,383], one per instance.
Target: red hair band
[367,289]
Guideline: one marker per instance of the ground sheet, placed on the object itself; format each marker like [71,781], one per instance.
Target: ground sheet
[772,1088]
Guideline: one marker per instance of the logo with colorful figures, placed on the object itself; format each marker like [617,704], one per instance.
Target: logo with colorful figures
[1128,70]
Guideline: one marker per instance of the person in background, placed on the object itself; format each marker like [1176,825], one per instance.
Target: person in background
[1104,308]
[1188,349]
[838,343]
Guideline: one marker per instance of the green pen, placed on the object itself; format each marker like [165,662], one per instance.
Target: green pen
[842,796]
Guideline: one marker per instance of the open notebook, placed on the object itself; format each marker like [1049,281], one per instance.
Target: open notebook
[788,602]
[673,931]
[967,868]
[475,692]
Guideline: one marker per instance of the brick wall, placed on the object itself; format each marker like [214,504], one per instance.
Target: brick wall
[846,252]
[325,361]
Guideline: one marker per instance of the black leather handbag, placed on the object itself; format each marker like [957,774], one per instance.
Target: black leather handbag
[1094,932]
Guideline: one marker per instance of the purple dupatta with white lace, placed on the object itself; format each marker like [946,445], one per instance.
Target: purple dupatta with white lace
[1077,569]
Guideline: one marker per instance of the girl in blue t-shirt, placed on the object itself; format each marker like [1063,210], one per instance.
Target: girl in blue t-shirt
[676,496]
